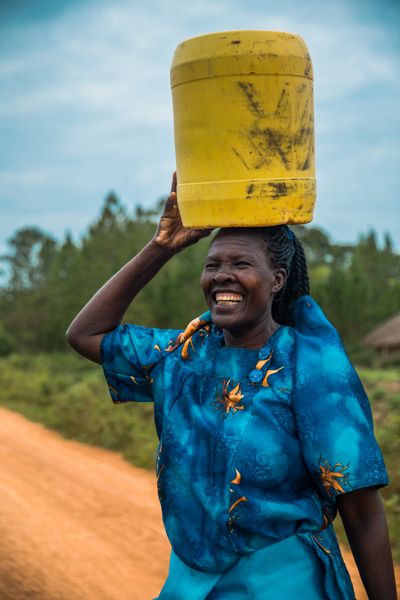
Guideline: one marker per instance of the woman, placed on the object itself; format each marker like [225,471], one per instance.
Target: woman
[264,427]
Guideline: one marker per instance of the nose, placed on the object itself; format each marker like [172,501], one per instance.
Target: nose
[223,275]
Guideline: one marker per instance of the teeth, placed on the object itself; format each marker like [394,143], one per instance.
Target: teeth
[228,298]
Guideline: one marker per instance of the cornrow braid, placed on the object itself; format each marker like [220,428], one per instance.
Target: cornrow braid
[286,251]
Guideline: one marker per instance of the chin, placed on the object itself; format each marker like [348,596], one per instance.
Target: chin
[226,321]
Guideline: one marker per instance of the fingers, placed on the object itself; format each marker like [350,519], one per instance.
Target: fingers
[194,235]
[174,182]
[204,232]
[172,198]
[171,202]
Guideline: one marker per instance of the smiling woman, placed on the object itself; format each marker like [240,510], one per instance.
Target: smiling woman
[265,430]
[266,268]
[239,284]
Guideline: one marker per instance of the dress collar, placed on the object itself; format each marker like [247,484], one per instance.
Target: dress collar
[264,356]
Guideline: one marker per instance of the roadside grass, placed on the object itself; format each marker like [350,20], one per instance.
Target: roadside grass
[69,394]
[383,388]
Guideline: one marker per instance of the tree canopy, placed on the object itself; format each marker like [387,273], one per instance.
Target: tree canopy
[49,281]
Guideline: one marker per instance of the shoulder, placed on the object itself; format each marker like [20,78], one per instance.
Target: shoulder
[282,344]
[136,343]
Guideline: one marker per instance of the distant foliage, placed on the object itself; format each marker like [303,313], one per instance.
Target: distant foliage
[357,285]
[7,344]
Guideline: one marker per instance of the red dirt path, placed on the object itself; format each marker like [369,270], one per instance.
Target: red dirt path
[76,522]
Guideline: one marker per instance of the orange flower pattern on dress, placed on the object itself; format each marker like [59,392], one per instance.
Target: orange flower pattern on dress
[231,521]
[268,373]
[333,477]
[318,540]
[256,375]
[185,338]
[238,501]
[237,479]
[229,400]
[261,363]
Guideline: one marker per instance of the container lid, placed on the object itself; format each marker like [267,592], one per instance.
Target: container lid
[240,53]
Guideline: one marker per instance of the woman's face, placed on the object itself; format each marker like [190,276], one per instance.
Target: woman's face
[239,282]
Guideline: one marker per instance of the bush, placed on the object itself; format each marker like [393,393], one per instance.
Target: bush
[7,343]
[69,394]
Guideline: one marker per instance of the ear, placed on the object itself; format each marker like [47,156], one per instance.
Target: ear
[278,281]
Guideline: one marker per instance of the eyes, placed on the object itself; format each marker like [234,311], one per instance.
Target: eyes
[240,264]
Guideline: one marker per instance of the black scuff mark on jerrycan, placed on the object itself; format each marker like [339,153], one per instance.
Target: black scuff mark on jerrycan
[249,191]
[266,141]
[250,92]
[240,157]
[308,68]
[261,158]
[282,110]
[304,139]
[280,188]
[275,142]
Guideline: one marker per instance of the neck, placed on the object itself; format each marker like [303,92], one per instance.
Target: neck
[252,337]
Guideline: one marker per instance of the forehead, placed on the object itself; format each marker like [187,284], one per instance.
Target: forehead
[237,243]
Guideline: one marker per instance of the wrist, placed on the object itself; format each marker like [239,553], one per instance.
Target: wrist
[162,250]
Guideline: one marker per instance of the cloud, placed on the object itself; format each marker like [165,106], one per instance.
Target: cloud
[110,58]
[87,106]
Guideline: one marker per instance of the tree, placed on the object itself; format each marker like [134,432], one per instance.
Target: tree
[357,285]
[29,261]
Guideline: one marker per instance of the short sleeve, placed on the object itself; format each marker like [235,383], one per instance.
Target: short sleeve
[331,408]
[129,355]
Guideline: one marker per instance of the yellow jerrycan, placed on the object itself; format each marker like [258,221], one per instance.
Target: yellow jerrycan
[244,129]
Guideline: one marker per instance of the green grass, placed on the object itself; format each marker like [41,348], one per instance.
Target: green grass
[69,394]
[383,388]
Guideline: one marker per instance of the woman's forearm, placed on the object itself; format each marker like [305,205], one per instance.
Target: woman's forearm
[106,308]
[371,550]
[366,528]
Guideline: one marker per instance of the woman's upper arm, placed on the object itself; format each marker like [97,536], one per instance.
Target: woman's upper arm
[332,410]
[359,505]
[88,346]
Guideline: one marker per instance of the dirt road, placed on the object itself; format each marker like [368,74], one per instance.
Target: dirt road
[76,523]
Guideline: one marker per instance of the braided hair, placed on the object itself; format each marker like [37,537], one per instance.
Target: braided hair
[286,251]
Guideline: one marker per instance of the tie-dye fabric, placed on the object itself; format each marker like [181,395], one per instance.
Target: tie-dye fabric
[255,445]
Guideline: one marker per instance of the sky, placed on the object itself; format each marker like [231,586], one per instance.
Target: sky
[85,105]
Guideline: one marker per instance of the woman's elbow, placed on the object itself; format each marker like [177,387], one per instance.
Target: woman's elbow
[75,339]
[87,346]
[72,336]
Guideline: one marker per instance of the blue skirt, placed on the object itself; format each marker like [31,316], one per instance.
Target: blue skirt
[286,570]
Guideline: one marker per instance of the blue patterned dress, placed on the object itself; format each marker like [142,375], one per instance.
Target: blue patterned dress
[255,445]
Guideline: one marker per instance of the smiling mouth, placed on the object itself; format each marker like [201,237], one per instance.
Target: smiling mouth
[227,298]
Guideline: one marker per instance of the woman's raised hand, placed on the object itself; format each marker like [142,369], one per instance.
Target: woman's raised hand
[106,308]
[171,234]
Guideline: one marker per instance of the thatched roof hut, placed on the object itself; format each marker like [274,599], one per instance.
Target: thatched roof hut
[386,337]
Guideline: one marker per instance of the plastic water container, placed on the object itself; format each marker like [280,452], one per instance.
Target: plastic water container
[244,129]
